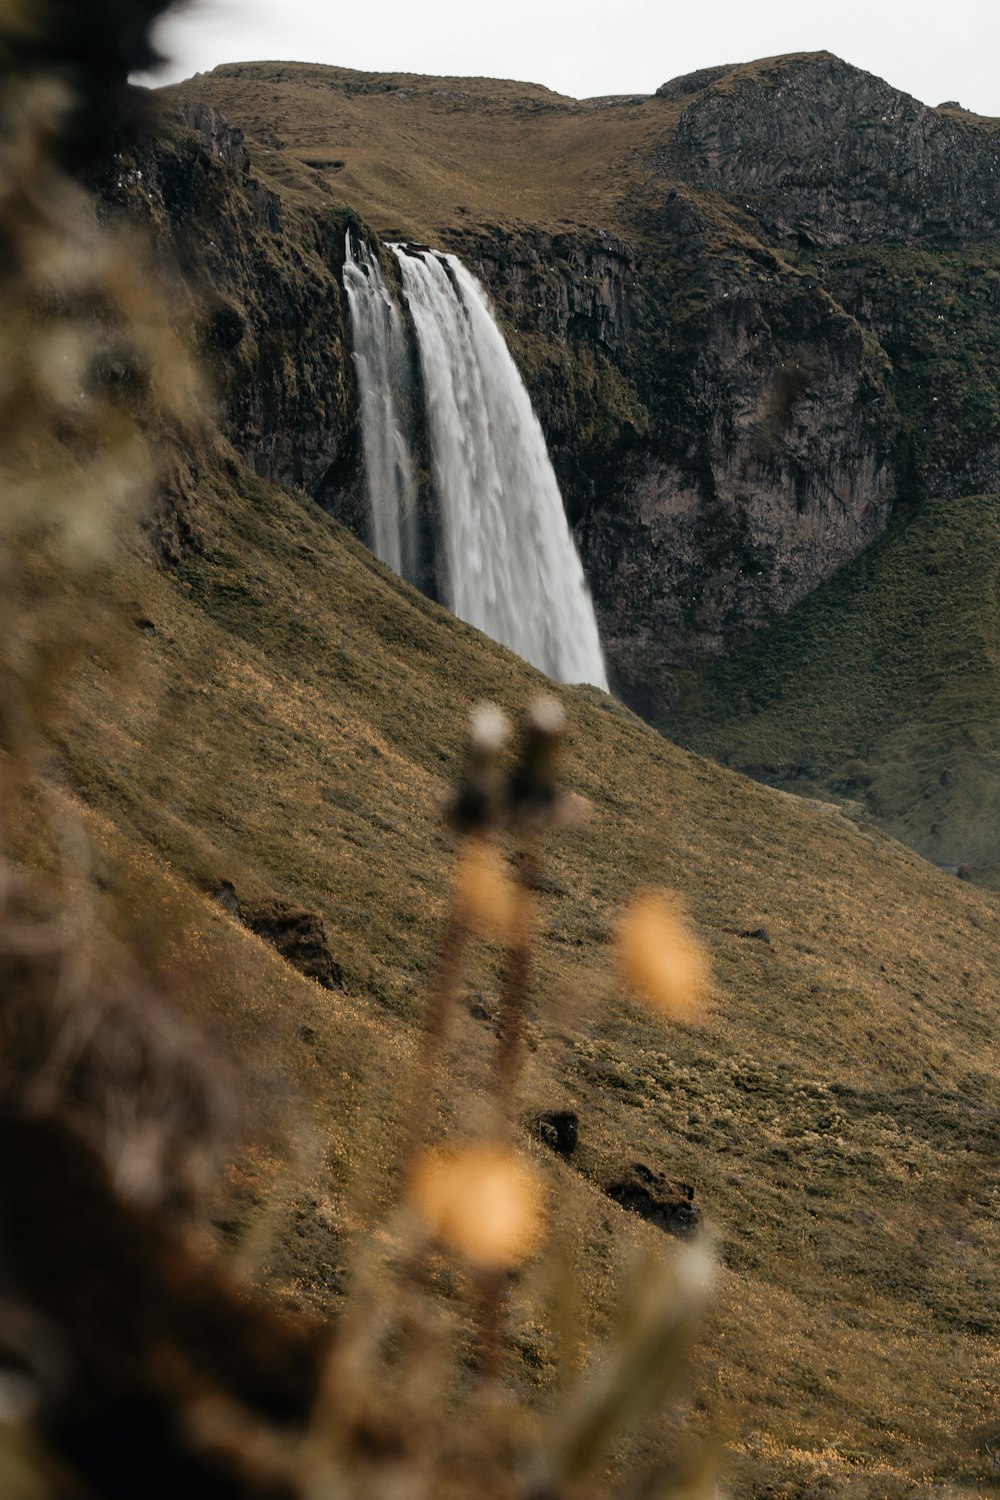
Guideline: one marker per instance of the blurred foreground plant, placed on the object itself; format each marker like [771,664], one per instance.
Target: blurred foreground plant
[421,1397]
[115,1118]
[131,1360]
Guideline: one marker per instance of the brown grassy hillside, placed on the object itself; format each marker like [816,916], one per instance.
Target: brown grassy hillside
[415,155]
[274,712]
[290,724]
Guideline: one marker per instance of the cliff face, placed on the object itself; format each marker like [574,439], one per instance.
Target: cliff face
[724,433]
[806,313]
[823,153]
[758,313]
[261,295]
[773,469]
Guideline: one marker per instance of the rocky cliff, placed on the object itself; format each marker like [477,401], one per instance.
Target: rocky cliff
[725,433]
[758,312]
[260,292]
[822,153]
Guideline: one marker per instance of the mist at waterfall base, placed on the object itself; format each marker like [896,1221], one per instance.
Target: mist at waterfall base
[508,561]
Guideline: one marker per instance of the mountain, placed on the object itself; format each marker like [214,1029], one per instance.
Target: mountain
[276,720]
[758,314]
[291,716]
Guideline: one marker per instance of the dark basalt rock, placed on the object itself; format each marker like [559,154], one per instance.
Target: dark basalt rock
[558,1129]
[228,900]
[825,146]
[225,328]
[222,139]
[724,441]
[264,287]
[298,935]
[691,83]
[653,1196]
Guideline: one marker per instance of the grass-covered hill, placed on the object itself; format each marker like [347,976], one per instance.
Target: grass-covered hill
[290,720]
[880,689]
[418,156]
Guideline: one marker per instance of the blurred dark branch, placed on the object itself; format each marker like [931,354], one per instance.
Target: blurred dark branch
[90,47]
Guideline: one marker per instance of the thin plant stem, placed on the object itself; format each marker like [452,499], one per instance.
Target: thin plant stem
[489,1325]
[438,1013]
[517,987]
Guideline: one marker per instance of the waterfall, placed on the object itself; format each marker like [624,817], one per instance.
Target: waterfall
[382,364]
[512,568]
[505,560]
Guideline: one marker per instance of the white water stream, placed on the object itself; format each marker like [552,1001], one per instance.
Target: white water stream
[513,569]
[380,358]
[510,566]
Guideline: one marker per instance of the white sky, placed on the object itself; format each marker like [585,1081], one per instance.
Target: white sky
[948,49]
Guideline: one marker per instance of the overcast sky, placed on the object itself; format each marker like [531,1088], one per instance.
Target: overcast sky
[946,50]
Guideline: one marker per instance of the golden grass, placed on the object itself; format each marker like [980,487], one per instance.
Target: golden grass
[421,157]
[418,155]
[292,726]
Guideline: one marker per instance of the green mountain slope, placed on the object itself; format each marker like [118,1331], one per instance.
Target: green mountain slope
[881,688]
[291,721]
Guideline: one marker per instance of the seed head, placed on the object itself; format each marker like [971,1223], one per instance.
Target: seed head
[483,1202]
[661,958]
[489,729]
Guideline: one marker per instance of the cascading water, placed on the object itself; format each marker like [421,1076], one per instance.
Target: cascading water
[382,364]
[505,557]
[512,568]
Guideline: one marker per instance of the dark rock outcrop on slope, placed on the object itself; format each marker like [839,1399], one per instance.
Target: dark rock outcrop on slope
[559,1129]
[657,1199]
[222,139]
[298,935]
[578,287]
